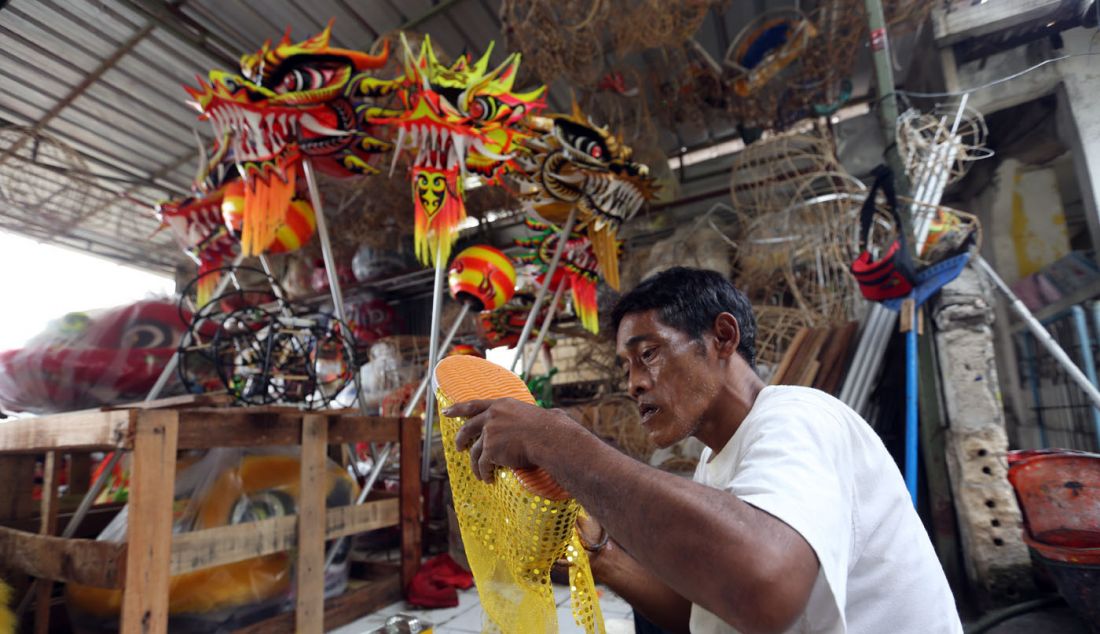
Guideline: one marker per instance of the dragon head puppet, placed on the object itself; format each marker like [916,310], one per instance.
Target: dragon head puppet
[572,163]
[460,118]
[207,224]
[578,267]
[293,101]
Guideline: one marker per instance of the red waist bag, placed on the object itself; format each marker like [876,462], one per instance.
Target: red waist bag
[891,276]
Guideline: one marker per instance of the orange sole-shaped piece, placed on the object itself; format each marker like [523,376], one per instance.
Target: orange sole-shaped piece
[466,378]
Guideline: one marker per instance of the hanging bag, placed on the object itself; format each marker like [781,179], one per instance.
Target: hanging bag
[892,275]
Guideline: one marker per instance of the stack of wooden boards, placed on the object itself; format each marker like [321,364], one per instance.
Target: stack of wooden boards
[818,357]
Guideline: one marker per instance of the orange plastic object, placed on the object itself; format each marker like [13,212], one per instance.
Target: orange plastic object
[468,378]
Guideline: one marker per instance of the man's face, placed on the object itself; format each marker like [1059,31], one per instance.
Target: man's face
[673,377]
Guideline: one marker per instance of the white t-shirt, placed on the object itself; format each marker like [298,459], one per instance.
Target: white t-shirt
[809,460]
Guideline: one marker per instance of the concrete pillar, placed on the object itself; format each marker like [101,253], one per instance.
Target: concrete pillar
[990,524]
[1079,129]
[1076,82]
[1028,225]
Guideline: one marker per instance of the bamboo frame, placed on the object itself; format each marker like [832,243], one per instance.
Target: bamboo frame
[143,566]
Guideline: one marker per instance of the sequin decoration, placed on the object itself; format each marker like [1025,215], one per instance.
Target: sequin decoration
[516,528]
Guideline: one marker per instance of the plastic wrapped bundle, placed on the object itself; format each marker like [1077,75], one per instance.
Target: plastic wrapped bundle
[225,487]
[91,359]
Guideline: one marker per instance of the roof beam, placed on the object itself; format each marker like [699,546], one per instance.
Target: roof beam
[969,21]
[78,90]
[170,18]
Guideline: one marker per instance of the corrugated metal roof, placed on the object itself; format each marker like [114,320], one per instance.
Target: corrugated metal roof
[104,78]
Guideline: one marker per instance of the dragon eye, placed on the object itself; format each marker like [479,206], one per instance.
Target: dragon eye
[484,109]
[477,110]
[305,78]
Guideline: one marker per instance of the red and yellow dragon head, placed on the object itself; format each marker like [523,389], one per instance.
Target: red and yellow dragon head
[207,224]
[460,118]
[570,162]
[293,101]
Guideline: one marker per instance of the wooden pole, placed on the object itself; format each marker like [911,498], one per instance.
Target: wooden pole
[149,525]
[48,526]
[310,607]
[411,548]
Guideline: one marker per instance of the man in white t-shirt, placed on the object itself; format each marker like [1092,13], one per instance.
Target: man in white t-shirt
[797,520]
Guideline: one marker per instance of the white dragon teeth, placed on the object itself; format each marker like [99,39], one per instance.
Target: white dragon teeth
[313,125]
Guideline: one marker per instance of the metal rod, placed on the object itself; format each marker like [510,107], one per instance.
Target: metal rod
[1042,336]
[419,393]
[530,362]
[911,411]
[330,268]
[334,289]
[887,101]
[540,296]
[375,471]
[1085,341]
[433,353]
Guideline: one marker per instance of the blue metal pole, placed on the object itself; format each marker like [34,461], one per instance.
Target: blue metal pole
[911,362]
[1085,342]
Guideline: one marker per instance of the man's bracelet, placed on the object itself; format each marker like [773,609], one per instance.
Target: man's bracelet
[597,547]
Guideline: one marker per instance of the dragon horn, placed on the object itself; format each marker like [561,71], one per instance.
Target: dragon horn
[483,63]
[577,113]
[203,169]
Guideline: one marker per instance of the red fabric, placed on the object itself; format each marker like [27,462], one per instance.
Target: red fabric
[435,584]
[881,280]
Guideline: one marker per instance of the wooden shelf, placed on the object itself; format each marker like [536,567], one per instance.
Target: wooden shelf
[142,567]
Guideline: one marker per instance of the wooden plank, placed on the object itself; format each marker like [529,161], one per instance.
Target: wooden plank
[803,367]
[149,529]
[354,428]
[839,367]
[828,356]
[17,475]
[788,356]
[208,399]
[905,316]
[80,472]
[360,599]
[87,430]
[228,544]
[310,573]
[203,428]
[411,546]
[85,561]
[51,472]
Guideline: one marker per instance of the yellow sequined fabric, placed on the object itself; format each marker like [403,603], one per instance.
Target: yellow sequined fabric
[517,527]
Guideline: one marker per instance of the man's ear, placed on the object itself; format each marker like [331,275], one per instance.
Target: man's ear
[727,335]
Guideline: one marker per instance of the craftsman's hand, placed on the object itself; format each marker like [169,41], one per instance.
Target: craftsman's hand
[507,433]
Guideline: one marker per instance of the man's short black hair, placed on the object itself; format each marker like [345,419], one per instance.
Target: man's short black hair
[689,300]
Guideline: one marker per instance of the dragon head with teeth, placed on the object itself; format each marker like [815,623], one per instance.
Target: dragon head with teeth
[290,102]
[458,119]
[206,225]
[570,162]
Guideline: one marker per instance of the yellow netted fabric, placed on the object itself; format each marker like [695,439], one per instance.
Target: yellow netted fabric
[517,527]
